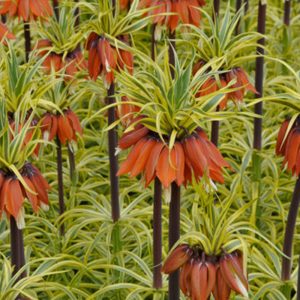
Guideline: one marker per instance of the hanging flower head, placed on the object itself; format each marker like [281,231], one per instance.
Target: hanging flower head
[241,85]
[165,138]
[60,46]
[108,43]
[104,58]
[13,192]
[218,47]
[26,9]
[19,179]
[60,120]
[202,275]
[66,126]
[71,63]
[288,143]
[194,154]
[170,12]
[22,92]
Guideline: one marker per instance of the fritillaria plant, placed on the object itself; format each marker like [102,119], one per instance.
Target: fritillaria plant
[20,180]
[166,137]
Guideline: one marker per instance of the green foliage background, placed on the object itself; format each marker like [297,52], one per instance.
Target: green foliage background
[89,262]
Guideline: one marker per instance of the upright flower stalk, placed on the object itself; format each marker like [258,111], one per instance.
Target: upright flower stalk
[238,5]
[289,233]
[113,158]
[17,247]
[27,37]
[56,8]
[259,75]
[60,182]
[63,128]
[157,207]
[216,7]
[288,146]
[157,234]
[174,207]
[215,125]
[258,109]
[287,12]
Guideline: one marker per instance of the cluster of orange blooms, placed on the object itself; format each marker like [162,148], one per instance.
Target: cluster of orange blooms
[104,58]
[194,154]
[170,12]
[13,192]
[73,63]
[65,126]
[202,274]
[237,75]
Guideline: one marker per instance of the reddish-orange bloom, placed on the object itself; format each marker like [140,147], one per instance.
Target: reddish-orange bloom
[5,33]
[194,154]
[241,85]
[203,157]
[288,145]
[231,271]
[201,274]
[13,192]
[26,9]
[221,290]
[185,10]
[104,59]
[178,257]
[197,271]
[73,63]
[64,126]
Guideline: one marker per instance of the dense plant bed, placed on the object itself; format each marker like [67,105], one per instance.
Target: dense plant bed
[149,149]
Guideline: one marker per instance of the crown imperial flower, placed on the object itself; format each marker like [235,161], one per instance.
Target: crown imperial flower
[13,192]
[26,9]
[194,154]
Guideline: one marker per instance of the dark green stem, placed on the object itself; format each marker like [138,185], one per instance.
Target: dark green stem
[17,250]
[215,126]
[216,7]
[157,209]
[238,5]
[174,235]
[246,6]
[72,164]
[27,40]
[157,235]
[60,184]
[174,210]
[56,9]
[172,50]
[113,3]
[153,43]
[259,76]
[289,233]
[298,283]
[113,159]
[287,12]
